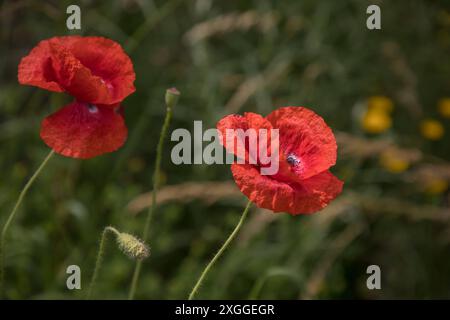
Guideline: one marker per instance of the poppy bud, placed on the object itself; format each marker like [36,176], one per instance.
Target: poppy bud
[172,96]
[132,246]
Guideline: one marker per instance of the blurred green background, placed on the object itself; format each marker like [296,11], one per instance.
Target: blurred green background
[385,93]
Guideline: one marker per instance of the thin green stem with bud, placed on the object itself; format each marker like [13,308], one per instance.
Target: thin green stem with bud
[13,214]
[220,252]
[98,262]
[171,99]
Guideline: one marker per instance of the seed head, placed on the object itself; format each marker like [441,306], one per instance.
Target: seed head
[132,246]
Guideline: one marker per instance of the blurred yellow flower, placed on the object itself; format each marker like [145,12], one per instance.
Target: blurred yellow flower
[436,186]
[432,129]
[444,107]
[380,103]
[393,162]
[376,121]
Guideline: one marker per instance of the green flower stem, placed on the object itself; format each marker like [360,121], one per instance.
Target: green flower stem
[254,293]
[170,104]
[12,215]
[137,272]
[220,252]
[98,262]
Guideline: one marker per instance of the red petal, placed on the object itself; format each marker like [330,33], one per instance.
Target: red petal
[76,79]
[36,68]
[306,136]
[309,196]
[79,130]
[107,60]
[92,69]
[229,139]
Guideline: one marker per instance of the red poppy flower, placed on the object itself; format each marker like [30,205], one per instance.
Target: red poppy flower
[99,75]
[307,149]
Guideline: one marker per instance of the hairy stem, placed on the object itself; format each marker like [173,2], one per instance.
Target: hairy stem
[12,215]
[151,209]
[220,252]
[99,260]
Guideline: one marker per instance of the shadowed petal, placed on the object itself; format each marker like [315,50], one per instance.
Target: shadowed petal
[308,196]
[80,130]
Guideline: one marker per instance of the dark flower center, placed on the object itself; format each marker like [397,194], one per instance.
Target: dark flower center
[293,160]
[92,108]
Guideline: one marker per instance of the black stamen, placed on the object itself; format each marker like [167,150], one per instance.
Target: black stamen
[92,108]
[292,160]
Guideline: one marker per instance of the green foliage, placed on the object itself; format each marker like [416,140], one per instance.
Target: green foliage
[273,53]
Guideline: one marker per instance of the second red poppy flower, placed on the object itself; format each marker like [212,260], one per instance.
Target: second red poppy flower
[307,149]
[99,75]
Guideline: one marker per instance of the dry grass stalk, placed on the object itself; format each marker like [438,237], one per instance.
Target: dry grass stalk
[407,94]
[427,172]
[208,192]
[270,76]
[230,22]
[211,192]
[337,247]
[353,146]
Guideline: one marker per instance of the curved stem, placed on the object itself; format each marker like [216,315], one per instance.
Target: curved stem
[98,262]
[12,215]
[148,221]
[219,253]
[257,288]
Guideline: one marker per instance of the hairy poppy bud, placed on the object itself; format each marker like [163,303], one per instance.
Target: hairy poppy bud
[132,246]
[172,96]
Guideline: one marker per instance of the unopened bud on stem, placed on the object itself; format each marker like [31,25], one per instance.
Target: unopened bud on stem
[172,96]
[132,246]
